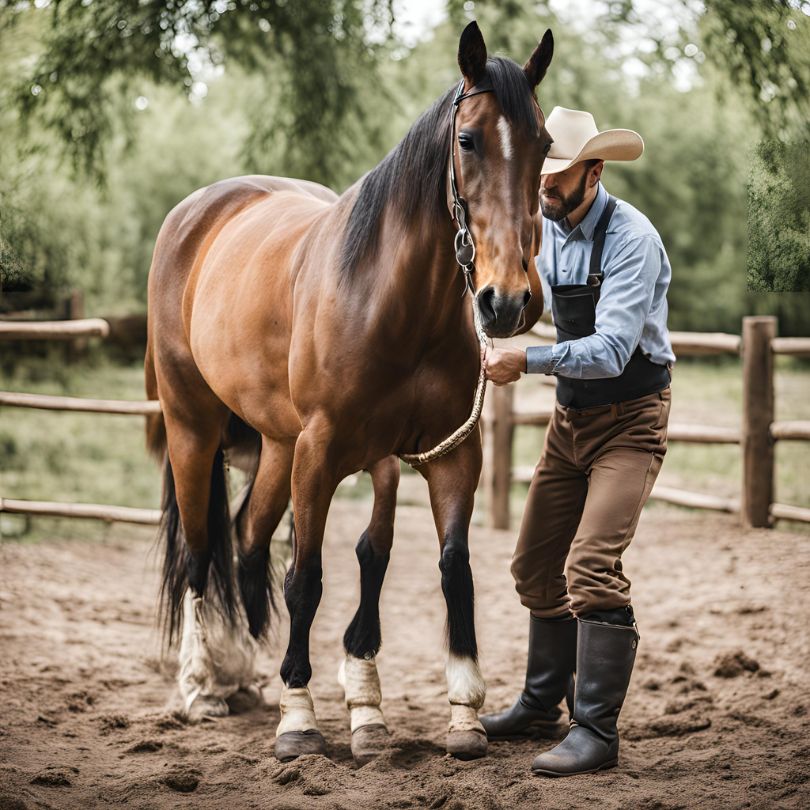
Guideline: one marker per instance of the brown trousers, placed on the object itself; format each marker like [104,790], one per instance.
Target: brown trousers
[596,472]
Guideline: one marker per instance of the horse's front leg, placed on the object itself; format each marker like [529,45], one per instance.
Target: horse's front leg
[313,485]
[452,481]
[358,672]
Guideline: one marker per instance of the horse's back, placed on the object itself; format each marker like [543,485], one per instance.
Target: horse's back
[199,216]
[192,226]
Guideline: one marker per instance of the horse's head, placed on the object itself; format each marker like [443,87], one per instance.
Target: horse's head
[498,151]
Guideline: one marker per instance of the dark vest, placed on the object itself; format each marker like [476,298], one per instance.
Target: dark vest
[574,309]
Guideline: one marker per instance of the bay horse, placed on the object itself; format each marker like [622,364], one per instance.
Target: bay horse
[334,333]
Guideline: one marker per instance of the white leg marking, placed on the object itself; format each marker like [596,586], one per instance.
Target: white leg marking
[361,686]
[216,660]
[466,691]
[297,710]
[506,137]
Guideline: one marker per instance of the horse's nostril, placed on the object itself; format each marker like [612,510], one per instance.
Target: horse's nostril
[486,300]
[527,297]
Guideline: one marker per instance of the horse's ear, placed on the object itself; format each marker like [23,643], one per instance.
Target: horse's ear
[472,54]
[539,61]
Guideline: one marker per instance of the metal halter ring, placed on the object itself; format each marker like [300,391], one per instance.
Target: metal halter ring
[465,248]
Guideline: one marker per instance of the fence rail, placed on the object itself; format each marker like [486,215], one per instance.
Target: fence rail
[798,430]
[697,434]
[50,403]
[110,514]
[687,343]
[54,330]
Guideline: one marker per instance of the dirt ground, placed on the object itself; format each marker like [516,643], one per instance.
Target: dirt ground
[718,713]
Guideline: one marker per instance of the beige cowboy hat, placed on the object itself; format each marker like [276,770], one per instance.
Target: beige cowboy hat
[576,138]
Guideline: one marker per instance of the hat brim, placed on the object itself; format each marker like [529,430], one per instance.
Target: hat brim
[612,144]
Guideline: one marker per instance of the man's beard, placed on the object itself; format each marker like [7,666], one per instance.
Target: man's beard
[561,207]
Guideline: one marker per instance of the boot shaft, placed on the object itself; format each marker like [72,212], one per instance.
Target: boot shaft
[605,657]
[551,660]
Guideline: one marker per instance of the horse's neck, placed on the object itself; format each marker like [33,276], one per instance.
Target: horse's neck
[424,282]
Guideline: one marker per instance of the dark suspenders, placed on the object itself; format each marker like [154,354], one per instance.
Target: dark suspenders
[595,274]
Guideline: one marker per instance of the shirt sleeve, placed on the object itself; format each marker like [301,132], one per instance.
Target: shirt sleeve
[622,309]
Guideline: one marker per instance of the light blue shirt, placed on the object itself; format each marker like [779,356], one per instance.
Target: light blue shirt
[632,307]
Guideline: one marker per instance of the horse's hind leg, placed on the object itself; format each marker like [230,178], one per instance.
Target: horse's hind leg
[358,672]
[266,505]
[213,660]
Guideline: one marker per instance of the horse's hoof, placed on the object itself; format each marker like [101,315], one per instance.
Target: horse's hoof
[468,744]
[293,744]
[205,706]
[369,742]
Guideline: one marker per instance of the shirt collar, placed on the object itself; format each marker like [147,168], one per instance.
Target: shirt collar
[588,222]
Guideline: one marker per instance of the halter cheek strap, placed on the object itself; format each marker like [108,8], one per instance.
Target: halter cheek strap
[464,245]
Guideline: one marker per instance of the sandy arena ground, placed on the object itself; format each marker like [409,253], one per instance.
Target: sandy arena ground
[718,714]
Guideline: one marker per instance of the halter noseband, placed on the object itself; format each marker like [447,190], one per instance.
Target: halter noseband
[465,247]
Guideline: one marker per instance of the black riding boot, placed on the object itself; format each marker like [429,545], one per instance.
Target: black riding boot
[605,656]
[549,675]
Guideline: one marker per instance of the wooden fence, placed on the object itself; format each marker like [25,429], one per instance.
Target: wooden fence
[757,435]
[126,334]
[69,331]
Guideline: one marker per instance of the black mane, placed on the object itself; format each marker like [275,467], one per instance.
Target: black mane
[413,174]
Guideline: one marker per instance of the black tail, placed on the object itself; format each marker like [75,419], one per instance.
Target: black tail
[181,568]
[256,580]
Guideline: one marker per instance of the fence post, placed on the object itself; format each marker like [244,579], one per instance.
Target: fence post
[757,416]
[74,310]
[500,475]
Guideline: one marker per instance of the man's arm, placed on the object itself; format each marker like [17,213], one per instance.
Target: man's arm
[624,303]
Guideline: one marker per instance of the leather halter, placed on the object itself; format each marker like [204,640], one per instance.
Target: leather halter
[465,247]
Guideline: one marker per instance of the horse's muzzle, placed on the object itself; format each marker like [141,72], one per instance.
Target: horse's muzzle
[501,314]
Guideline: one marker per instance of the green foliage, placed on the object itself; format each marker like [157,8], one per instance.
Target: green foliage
[779,218]
[761,47]
[765,48]
[314,56]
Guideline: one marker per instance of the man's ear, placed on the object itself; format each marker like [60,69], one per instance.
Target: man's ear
[596,171]
[539,61]
[472,54]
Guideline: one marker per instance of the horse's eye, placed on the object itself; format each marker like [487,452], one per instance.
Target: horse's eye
[466,141]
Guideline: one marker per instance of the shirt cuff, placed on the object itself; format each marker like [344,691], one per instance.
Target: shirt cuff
[540,360]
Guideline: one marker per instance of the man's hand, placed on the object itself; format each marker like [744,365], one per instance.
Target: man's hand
[504,366]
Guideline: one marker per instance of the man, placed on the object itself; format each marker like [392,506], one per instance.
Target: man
[607,273]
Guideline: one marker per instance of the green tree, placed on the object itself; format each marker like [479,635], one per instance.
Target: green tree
[315,57]
[779,218]
[765,48]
